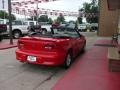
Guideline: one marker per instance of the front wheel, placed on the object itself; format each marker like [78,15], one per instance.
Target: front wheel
[16,34]
[68,60]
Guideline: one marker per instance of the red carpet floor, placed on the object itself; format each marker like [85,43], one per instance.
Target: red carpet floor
[90,72]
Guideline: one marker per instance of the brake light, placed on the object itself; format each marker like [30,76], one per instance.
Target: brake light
[20,45]
[50,46]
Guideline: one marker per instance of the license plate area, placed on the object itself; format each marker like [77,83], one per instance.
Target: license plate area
[31,58]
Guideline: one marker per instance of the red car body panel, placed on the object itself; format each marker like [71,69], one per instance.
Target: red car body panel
[48,51]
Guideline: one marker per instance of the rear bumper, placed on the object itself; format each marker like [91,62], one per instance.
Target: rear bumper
[52,59]
[4,33]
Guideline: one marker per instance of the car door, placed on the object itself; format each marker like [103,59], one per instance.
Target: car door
[76,41]
[79,41]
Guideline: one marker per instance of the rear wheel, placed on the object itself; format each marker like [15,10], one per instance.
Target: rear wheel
[68,60]
[1,38]
[44,31]
[17,34]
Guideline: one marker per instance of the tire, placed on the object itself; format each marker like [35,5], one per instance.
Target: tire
[44,31]
[17,34]
[1,38]
[68,60]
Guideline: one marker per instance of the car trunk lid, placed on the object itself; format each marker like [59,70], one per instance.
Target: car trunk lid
[37,43]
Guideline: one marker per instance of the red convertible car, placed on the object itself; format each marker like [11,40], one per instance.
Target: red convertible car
[58,47]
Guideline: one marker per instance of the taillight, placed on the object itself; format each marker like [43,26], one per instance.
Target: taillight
[20,45]
[50,46]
